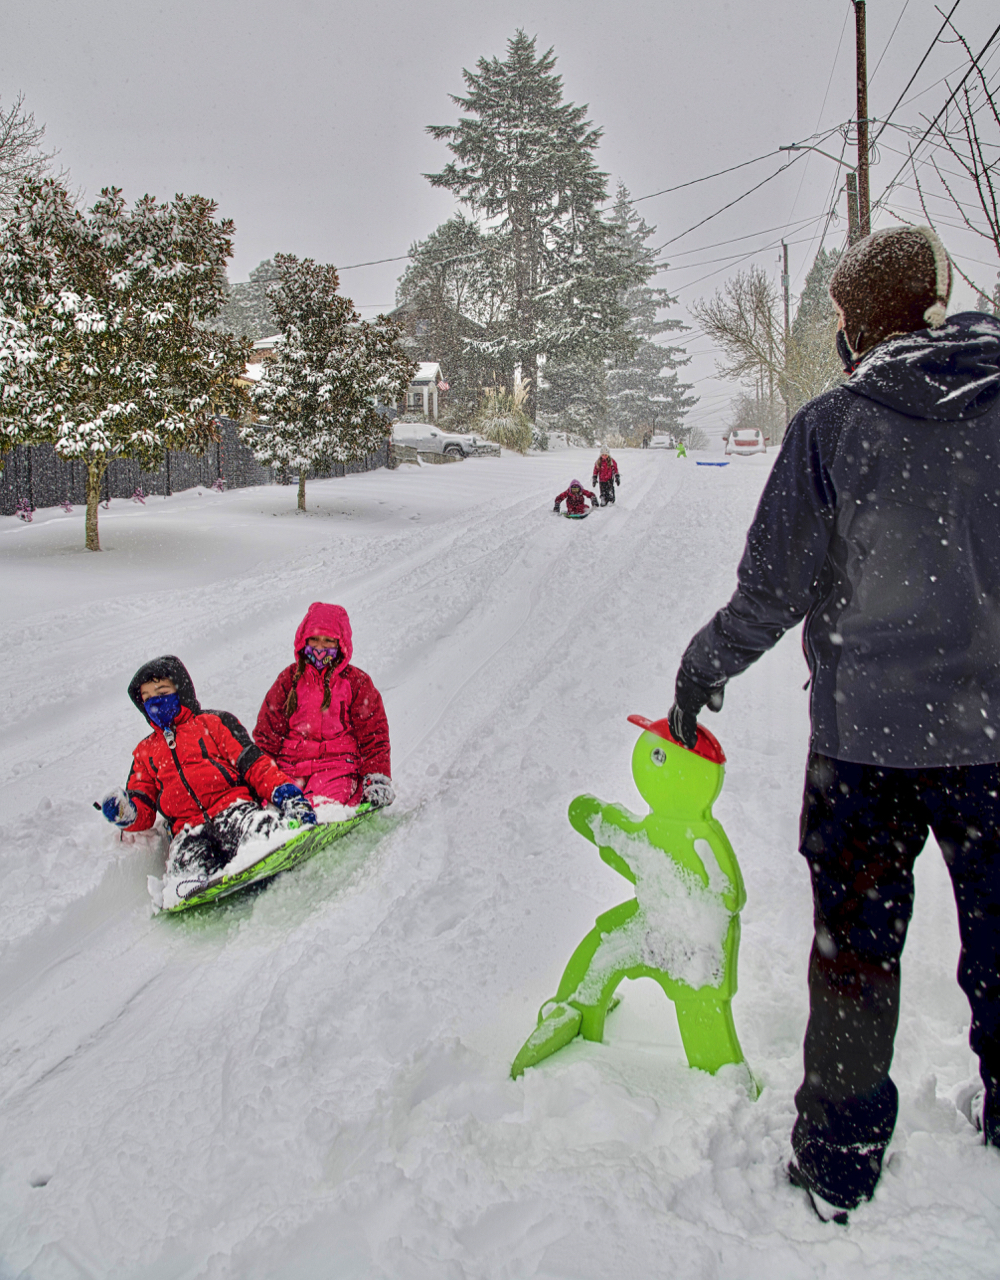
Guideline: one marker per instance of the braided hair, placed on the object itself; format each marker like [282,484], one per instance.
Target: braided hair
[292,701]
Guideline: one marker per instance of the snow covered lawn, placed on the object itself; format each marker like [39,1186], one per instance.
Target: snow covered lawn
[313,1083]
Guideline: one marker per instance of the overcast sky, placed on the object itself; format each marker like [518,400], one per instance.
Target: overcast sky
[306,120]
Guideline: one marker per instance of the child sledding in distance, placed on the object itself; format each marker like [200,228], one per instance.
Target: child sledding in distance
[574,499]
[201,770]
[323,722]
[606,473]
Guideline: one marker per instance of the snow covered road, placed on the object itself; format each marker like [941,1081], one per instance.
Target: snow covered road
[314,1082]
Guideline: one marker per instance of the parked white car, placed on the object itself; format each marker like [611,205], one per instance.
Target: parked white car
[662,442]
[747,440]
[428,438]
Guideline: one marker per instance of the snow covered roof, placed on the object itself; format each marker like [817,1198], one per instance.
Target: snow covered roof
[427,371]
[267,344]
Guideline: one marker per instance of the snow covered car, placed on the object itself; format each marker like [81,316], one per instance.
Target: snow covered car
[746,440]
[662,442]
[427,438]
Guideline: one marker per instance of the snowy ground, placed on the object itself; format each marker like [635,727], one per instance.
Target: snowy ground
[313,1083]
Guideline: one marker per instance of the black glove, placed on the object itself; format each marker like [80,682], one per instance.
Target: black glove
[689,698]
[618,479]
[556,508]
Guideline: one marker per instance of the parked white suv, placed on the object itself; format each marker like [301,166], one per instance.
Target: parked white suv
[431,439]
[747,440]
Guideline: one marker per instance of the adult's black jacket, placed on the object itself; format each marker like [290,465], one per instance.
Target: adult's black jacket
[880,526]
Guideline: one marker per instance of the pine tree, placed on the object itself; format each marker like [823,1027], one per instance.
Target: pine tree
[247,310]
[644,390]
[104,346]
[524,163]
[457,291]
[317,395]
[812,365]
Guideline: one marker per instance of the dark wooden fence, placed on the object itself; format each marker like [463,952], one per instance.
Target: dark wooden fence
[35,474]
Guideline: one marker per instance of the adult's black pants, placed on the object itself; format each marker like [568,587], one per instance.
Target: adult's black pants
[862,828]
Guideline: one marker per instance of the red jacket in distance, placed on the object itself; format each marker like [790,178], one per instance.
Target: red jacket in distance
[211,764]
[327,751]
[575,504]
[605,469]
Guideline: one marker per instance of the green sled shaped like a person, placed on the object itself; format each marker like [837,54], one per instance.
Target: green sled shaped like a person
[682,928]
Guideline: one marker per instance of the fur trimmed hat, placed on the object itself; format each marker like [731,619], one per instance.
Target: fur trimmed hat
[892,282]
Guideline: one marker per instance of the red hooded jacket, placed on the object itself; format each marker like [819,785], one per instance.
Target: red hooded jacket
[202,765]
[327,751]
[605,468]
[574,499]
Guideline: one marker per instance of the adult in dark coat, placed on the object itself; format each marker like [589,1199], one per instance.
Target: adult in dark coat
[879,528]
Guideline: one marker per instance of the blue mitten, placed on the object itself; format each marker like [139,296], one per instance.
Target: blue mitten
[118,808]
[292,804]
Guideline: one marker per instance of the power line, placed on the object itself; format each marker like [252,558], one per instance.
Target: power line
[889,41]
[947,104]
[917,72]
[787,165]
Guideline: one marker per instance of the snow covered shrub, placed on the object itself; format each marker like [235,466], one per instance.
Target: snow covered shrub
[23,510]
[501,418]
[219,485]
[139,496]
[66,505]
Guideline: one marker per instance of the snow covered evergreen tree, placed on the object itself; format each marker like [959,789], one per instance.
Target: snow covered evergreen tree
[316,398]
[456,290]
[812,365]
[644,391]
[104,346]
[247,310]
[524,163]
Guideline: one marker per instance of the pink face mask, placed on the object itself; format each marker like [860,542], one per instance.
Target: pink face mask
[321,658]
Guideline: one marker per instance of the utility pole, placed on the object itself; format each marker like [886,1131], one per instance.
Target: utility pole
[864,211]
[853,232]
[788,323]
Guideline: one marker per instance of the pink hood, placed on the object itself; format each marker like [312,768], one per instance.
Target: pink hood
[326,620]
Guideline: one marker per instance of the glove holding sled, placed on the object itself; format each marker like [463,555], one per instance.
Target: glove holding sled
[118,808]
[689,698]
[292,805]
[378,790]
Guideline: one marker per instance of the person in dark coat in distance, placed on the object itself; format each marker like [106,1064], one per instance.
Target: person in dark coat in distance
[879,528]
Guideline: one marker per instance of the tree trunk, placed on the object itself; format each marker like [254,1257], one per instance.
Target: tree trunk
[529,374]
[95,474]
[302,488]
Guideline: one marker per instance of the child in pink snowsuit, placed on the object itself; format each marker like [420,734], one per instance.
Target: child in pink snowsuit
[323,722]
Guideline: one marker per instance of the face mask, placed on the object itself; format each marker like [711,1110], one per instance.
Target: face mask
[321,658]
[850,360]
[163,710]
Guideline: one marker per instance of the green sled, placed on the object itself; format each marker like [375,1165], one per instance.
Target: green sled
[300,846]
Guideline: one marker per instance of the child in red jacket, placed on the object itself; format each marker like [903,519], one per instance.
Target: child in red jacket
[574,499]
[606,471]
[322,720]
[202,772]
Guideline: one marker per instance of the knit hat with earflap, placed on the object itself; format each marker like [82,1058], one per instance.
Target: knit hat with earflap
[892,282]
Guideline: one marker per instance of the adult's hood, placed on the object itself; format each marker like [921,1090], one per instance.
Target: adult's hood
[943,375]
[170,668]
[326,620]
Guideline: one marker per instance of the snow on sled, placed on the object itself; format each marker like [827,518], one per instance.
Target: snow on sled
[180,895]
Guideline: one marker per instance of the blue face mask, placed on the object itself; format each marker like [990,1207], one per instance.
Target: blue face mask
[163,710]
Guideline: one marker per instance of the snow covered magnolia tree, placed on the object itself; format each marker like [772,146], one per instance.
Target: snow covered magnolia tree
[317,395]
[104,349]
[524,163]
